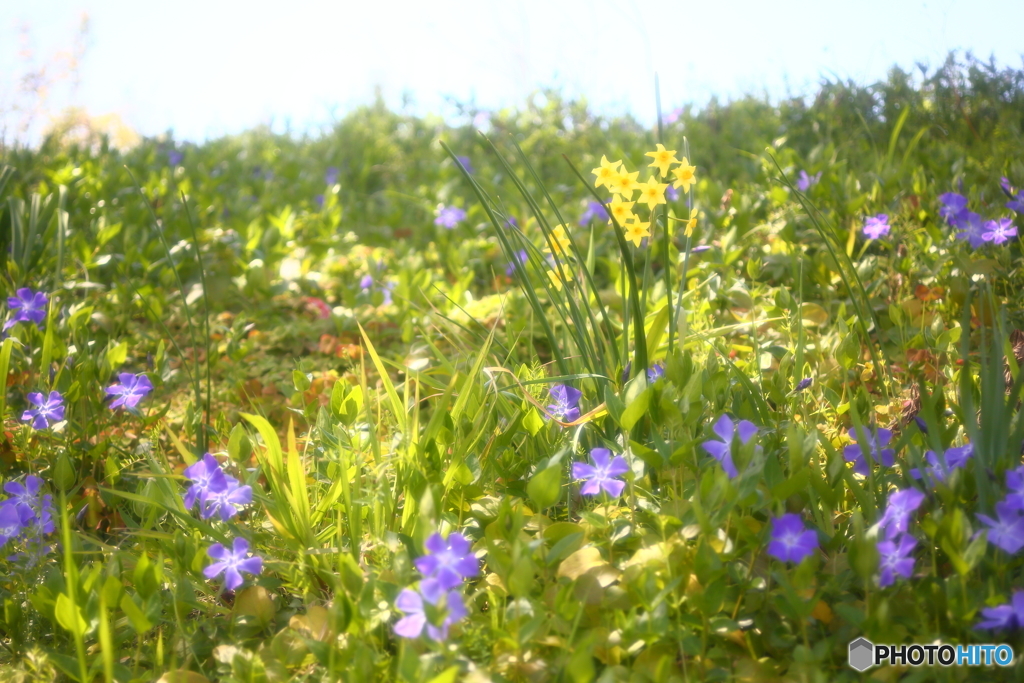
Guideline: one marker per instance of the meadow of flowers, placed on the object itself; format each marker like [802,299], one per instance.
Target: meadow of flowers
[542,397]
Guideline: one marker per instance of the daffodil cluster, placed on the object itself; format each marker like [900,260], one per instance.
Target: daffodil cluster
[624,187]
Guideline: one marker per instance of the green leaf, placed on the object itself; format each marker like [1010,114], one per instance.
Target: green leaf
[117,355]
[300,380]
[138,619]
[545,487]
[636,408]
[446,676]
[533,421]
[69,616]
[795,483]
[397,406]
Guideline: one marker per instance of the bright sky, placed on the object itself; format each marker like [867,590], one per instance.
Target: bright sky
[210,67]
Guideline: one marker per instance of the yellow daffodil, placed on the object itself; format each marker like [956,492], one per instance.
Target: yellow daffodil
[624,183]
[561,240]
[690,225]
[663,158]
[636,231]
[559,276]
[606,172]
[685,176]
[621,210]
[652,192]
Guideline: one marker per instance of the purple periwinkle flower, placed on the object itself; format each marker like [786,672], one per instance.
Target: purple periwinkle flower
[174,158]
[803,384]
[415,620]
[25,496]
[319,200]
[1008,616]
[999,231]
[366,282]
[727,430]
[876,442]
[130,390]
[595,210]
[447,563]
[940,467]
[464,160]
[12,521]
[899,510]
[449,216]
[521,256]
[225,501]
[671,193]
[971,228]
[232,563]
[511,222]
[655,372]
[29,307]
[566,403]
[1016,204]
[954,208]
[805,182]
[1015,484]
[876,226]
[207,477]
[602,474]
[1007,186]
[895,559]
[1008,531]
[331,175]
[47,410]
[790,540]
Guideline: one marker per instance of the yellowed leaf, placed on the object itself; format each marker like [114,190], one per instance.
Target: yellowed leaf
[580,562]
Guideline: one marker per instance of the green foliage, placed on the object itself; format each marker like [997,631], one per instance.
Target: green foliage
[376,378]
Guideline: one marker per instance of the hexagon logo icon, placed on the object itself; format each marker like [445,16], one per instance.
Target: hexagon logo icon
[862,654]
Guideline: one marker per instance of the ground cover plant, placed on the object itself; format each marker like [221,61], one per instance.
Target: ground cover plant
[559,399]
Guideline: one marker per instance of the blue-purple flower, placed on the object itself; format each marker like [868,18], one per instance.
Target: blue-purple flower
[971,227]
[464,160]
[130,390]
[207,477]
[602,474]
[12,521]
[727,431]
[445,566]
[29,307]
[895,559]
[803,384]
[366,282]
[231,563]
[876,442]
[671,193]
[25,496]
[901,506]
[805,182]
[449,216]
[876,226]
[566,403]
[174,158]
[522,257]
[331,175]
[1008,616]
[595,210]
[941,466]
[1006,532]
[225,500]
[954,208]
[415,620]
[999,231]
[655,372]
[47,410]
[790,540]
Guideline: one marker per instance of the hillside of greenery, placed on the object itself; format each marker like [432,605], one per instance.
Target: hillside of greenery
[547,396]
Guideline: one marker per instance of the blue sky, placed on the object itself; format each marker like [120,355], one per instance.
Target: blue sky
[209,68]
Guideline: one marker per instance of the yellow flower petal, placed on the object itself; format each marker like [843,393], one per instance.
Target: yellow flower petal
[652,192]
[636,231]
[663,159]
[606,172]
[685,176]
